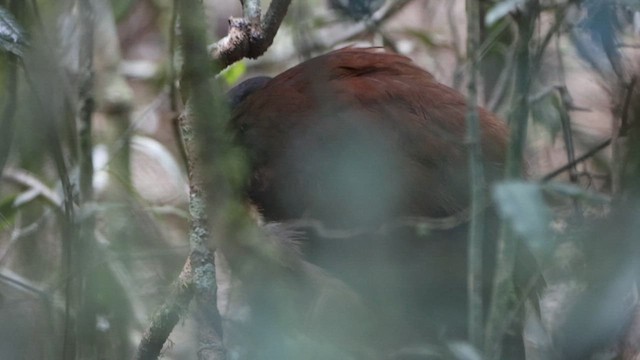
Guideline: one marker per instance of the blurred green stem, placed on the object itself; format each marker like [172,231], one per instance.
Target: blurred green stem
[8,113]
[84,248]
[203,124]
[503,287]
[477,182]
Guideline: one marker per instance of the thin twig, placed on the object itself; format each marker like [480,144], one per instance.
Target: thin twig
[14,280]
[173,86]
[477,183]
[553,31]
[576,161]
[624,126]
[503,83]
[28,180]
[567,133]
[166,317]
[502,292]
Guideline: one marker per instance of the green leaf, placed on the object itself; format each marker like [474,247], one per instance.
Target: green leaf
[234,73]
[522,206]
[12,36]
[7,212]
[121,8]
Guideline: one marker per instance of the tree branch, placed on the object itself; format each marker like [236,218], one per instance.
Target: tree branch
[167,316]
[248,36]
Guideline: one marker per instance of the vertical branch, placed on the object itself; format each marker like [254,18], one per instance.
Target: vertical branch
[252,11]
[272,20]
[621,126]
[201,259]
[8,112]
[173,93]
[503,288]
[218,168]
[197,279]
[173,84]
[84,249]
[166,317]
[518,118]
[477,183]
[68,234]
[86,100]
[50,118]
[567,134]
[203,123]
[196,79]
[624,130]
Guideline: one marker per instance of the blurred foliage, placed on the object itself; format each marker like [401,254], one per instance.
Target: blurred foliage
[234,72]
[501,9]
[12,36]
[357,9]
[522,206]
[121,8]
[140,190]
[8,212]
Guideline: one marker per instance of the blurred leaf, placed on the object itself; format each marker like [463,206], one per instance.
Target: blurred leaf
[502,9]
[499,37]
[422,351]
[121,8]
[7,212]
[356,9]
[596,36]
[576,192]
[427,38]
[12,37]
[537,341]
[633,4]
[464,351]
[156,176]
[546,112]
[234,73]
[522,206]
[158,152]
[423,230]
[35,188]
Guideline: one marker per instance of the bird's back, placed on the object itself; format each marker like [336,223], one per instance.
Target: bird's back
[361,135]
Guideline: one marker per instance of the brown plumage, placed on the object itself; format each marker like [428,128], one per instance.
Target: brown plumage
[358,138]
[392,133]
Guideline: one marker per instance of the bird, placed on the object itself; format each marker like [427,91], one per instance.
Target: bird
[358,138]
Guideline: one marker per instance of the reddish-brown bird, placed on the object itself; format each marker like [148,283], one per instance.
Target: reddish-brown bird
[359,136]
